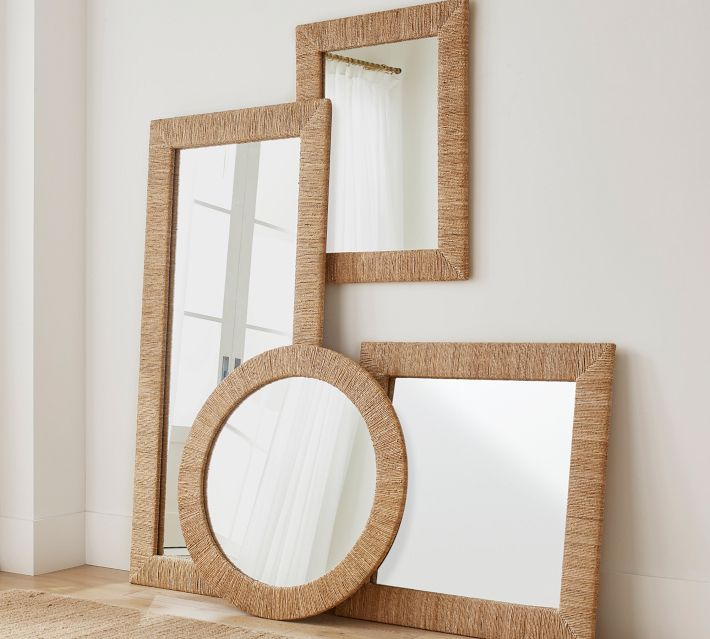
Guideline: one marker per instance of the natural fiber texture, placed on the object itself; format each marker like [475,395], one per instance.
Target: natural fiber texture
[311,121]
[30,614]
[376,539]
[450,22]
[591,367]
[171,573]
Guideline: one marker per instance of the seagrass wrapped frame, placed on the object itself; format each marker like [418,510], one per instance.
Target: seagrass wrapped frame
[591,367]
[449,22]
[294,602]
[309,120]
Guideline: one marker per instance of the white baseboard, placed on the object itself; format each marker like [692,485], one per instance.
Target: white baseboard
[108,540]
[36,547]
[16,547]
[639,607]
[59,543]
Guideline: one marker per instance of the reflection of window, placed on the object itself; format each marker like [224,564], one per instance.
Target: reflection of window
[235,260]
[235,264]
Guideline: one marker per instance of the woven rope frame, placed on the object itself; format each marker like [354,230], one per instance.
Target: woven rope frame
[309,120]
[591,367]
[364,558]
[449,21]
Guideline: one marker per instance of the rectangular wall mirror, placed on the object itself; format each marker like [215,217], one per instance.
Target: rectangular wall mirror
[234,278]
[234,266]
[399,192]
[505,535]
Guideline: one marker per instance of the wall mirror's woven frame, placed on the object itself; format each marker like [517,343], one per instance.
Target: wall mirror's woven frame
[295,602]
[591,367]
[309,120]
[449,21]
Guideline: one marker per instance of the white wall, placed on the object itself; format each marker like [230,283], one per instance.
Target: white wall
[42,286]
[16,288]
[59,358]
[590,222]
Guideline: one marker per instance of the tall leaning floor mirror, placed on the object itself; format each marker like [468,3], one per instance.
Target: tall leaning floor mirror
[234,266]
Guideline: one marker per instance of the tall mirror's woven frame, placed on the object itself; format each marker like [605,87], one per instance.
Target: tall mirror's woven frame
[309,120]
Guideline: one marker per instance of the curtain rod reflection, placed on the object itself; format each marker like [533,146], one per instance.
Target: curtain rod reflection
[372,66]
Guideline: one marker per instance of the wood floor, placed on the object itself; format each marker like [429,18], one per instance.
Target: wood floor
[111,587]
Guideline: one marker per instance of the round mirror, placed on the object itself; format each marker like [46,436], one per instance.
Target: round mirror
[291,481]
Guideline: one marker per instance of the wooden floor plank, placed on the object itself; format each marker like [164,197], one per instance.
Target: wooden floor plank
[110,586]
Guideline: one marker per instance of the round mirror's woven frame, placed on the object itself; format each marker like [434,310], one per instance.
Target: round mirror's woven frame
[312,598]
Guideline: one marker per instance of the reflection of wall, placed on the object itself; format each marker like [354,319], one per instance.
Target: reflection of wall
[589,223]
[418,61]
[490,521]
[419,71]
[277,188]
[173,533]
[269,314]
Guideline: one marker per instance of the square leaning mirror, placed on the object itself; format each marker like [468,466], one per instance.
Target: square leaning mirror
[503,538]
[234,266]
[398,82]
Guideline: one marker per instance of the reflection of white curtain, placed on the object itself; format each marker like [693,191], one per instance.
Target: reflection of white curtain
[276,477]
[366,176]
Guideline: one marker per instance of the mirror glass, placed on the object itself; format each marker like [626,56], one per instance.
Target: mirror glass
[487,495]
[383,171]
[291,481]
[233,279]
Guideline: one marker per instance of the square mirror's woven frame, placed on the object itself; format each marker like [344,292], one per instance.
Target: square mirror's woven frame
[591,367]
[309,120]
[449,22]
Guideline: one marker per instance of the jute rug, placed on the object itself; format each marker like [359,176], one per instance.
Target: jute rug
[30,614]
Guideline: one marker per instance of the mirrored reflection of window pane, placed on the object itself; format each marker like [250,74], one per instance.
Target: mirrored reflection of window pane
[197,370]
[277,188]
[258,341]
[507,447]
[213,174]
[207,258]
[384,147]
[235,260]
[271,285]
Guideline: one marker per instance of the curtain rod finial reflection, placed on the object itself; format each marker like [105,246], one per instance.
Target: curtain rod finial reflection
[371,66]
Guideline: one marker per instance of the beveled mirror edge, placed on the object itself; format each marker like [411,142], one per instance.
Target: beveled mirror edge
[309,120]
[591,367]
[449,21]
[295,602]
